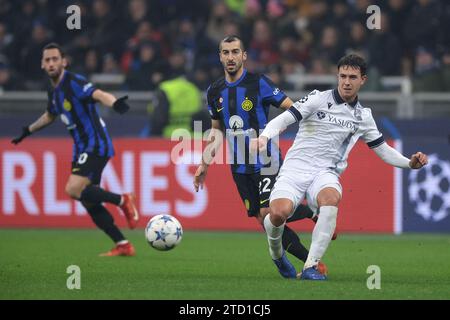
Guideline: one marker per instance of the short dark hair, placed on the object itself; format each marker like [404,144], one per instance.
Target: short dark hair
[232,38]
[54,45]
[354,61]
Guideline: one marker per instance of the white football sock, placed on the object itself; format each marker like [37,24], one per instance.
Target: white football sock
[321,236]
[274,237]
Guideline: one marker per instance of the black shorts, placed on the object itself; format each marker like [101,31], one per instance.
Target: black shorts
[254,190]
[91,166]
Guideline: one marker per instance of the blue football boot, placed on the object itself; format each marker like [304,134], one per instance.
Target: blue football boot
[312,273]
[285,267]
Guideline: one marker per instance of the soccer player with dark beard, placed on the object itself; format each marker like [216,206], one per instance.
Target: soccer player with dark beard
[239,104]
[75,100]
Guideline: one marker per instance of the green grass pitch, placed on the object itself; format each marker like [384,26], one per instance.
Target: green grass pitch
[217,265]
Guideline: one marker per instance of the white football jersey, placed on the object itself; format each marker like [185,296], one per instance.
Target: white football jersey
[328,129]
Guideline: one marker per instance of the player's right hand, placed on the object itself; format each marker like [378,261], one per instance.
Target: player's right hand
[200,176]
[25,133]
[258,144]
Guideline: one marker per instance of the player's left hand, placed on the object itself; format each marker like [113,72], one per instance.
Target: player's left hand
[418,160]
[120,106]
[200,176]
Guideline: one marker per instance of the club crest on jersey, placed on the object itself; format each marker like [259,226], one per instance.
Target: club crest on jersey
[358,114]
[247,104]
[67,105]
[321,115]
[276,91]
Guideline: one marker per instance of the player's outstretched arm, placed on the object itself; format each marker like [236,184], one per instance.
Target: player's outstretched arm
[212,146]
[396,159]
[43,121]
[273,128]
[107,99]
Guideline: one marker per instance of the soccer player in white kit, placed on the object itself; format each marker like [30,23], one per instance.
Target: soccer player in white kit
[330,123]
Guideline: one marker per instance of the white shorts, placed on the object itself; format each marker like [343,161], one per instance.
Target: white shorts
[296,186]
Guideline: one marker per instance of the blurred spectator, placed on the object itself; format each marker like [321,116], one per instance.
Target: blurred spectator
[262,49]
[237,6]
[292,34]
[340,16]
[427,75]
[360,10]
[446,71]
[357,38]
[7,80]
[330,46]
[318,17]
[144,34]
[6,40]
[6,13]
[398,12]
[137,10]
[291,47]
[177,103]
[147,70]
[110,65]
[422,26]
[216,21]
[92,63]
[274,73]
[105,33]
[389,60]
[31,55]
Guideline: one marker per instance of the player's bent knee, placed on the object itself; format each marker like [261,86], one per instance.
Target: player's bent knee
[329,197]
[280,210]
[73,191]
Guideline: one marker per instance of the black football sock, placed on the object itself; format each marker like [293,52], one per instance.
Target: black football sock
[292,244]
[94,194]
[300,213]
[104,221]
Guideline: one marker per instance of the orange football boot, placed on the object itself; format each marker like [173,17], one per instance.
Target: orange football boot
[129,209]
[126,250]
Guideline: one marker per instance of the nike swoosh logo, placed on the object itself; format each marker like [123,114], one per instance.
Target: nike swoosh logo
[264,201]
[218,110]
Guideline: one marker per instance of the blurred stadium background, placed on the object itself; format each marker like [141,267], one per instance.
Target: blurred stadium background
[133,46]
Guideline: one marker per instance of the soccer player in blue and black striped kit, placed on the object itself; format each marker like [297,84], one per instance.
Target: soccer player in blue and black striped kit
[239,105]
[74,99]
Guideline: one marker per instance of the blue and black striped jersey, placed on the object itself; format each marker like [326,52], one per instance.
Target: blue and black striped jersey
[72,100]
[243,109]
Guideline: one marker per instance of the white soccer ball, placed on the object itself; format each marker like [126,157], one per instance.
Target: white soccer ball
[163,232]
